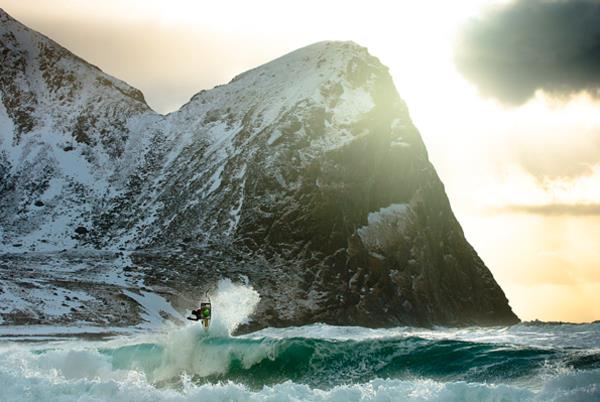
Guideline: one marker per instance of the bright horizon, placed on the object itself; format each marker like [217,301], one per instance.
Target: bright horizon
[524,181]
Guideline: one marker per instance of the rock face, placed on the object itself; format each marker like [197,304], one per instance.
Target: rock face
[305,175]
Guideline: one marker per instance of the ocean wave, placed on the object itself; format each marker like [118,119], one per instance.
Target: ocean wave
[23,385]
[532,334]
[321,363]
[317,362]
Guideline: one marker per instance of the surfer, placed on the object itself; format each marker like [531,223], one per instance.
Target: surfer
[202,314]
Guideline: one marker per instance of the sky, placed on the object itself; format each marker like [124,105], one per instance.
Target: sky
[504,93]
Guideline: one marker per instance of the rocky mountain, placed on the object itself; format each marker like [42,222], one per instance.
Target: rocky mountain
[304,176]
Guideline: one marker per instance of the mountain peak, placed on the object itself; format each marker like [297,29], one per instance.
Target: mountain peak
[4,16]
[325,53]
[319,61]
[341,77]
[40,78]
[305,175]
[316,55]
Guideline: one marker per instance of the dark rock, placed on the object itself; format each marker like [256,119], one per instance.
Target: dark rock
[81,230]
[39,203]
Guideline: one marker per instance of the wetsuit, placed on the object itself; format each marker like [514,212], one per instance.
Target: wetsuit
[202,313]
[197,314]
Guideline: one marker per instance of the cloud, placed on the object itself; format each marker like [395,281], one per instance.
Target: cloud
[591,209]
[527,45]
[560,155]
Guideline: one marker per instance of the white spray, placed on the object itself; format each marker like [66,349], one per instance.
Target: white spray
[192,349]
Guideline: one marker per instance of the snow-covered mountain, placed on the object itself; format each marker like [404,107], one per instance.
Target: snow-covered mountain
[304,176]
[68,133]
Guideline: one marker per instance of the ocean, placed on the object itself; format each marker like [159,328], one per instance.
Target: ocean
[175,362]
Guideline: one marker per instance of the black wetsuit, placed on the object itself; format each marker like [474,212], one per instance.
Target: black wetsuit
[197,314]
[201,313]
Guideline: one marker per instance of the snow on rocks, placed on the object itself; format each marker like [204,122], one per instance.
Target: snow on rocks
[384,226]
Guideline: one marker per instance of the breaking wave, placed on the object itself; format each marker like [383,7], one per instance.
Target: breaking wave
[317,362]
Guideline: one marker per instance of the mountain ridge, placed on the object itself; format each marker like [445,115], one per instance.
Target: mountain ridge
[304,176]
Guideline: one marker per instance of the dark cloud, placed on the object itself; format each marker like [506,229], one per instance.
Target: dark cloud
[517,48]
[555,209]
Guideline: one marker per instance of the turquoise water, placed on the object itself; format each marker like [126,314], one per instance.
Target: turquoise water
[525,362]
[325,363]
[317,362]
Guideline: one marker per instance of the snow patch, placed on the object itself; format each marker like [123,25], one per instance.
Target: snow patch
[399,142]
[54,189]
[383,213]
[275,135]
[31,296]
[154,306]
[354,103]
[6,128]
[383,227]
[215,180]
